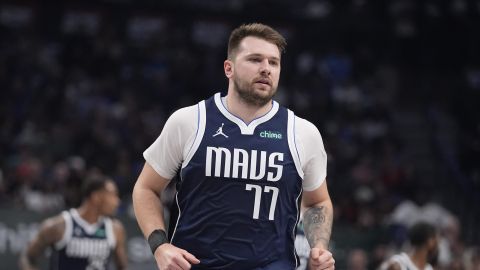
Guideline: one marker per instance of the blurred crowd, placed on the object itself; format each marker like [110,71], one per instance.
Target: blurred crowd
[394,88]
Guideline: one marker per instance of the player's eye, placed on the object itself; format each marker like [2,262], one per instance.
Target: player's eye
[274,63]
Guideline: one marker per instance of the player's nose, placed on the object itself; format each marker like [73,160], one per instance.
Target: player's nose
[265,67]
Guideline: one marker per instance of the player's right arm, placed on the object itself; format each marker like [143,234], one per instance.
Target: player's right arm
[394,266]
[51,231]
[149,214]
[163,159]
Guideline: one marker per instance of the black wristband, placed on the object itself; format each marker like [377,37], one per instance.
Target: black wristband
[156,239]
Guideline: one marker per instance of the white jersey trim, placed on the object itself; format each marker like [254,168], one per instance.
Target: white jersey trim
[201,123]
[112,241]
[406,263]
[291,143]
[67,234]
[89,228]
[178,218]
[400,260]
[244,128]
[297,262]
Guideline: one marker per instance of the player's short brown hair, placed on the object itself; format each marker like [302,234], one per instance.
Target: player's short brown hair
[256,30]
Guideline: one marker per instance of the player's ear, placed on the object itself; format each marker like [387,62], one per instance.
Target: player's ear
[432,242]
[228,68]
[96,197]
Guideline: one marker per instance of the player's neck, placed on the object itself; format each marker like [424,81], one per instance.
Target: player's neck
[419,258]
[245,111]
[88,213]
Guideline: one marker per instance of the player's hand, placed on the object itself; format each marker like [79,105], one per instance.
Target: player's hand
[169,257]
[321,259]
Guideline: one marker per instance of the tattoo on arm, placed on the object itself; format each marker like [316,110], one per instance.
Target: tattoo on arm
[317,224]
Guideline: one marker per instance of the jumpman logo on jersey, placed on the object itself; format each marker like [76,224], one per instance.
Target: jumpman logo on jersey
[220,132]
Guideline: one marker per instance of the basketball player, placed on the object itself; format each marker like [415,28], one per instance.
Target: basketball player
[424,241]
[302,247]
[245,165]
[85,237]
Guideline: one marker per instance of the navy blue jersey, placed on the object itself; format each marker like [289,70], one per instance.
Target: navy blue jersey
[84,246]
[239,192]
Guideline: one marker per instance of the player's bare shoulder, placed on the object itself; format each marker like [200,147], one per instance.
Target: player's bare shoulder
[391,265]
[52,229]
[118,227]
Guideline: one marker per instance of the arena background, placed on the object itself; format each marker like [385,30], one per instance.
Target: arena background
[393,86]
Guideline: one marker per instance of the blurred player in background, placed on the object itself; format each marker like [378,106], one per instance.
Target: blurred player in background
[83,238]
[246,164]
[423,239]
[302,247]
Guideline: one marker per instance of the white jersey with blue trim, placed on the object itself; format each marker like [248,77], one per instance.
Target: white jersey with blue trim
[240,185]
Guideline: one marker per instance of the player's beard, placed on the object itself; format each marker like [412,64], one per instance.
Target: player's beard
[250,96]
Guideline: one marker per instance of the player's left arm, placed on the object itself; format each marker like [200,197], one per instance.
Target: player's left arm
[51,231]
[317,224]
[121,259]
[318,215]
